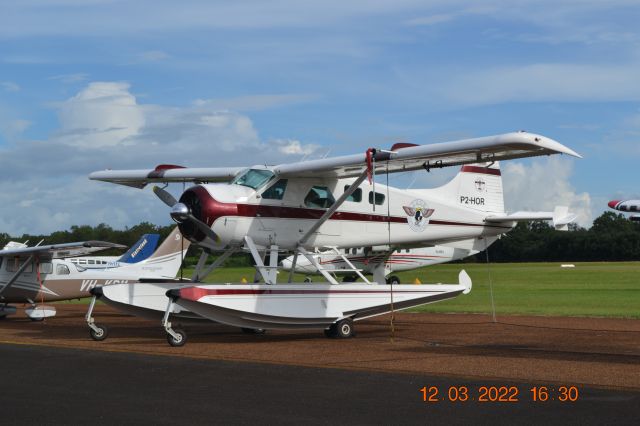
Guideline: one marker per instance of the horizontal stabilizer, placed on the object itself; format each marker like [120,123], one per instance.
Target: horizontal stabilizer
[560,217]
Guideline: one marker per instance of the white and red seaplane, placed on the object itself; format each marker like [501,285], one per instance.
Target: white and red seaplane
[297,207]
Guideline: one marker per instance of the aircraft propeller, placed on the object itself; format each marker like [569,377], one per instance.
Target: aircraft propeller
[165,196]
[181,213]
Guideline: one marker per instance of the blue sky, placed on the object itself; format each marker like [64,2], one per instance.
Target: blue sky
[93,84]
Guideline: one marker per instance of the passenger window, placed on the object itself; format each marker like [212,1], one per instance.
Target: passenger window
[82,262]
[354,251]
[14,264]
[379,198]
[319,197]
[62,270]
[92,262]
[356,196]
[45,268]
[276,191]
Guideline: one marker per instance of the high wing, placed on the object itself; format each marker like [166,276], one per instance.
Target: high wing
[58,251]
[167,173]
[432,156]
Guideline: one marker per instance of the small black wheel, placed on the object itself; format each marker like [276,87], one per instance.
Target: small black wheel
[350,279]
[99,334]
[344,329]
[393,279]
[253,330]
[179,340]
[331,332]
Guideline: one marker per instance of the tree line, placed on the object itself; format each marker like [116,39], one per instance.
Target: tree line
[612,237]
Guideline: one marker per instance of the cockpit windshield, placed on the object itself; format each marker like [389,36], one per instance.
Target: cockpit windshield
[254,178]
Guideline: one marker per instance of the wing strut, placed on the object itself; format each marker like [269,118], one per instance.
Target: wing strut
[201,272]
[17,274]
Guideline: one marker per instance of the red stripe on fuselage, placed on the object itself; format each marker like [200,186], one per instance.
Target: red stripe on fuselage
[213,209]
[481,170]
[196,293]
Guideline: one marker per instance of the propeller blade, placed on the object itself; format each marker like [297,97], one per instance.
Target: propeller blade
[204,228]
[165,196]
[181,213]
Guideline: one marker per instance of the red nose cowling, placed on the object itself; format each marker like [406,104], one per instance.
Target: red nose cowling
[205,208]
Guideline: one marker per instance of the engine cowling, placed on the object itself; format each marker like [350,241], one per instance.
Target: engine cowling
[204,207]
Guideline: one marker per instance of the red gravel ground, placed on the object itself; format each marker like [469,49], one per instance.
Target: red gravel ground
[547,350]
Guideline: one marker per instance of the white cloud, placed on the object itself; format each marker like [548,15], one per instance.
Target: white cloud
[10,86]
[104,126]
[543,185]
[102,114]
[294,147]
[70,78]
[11,129]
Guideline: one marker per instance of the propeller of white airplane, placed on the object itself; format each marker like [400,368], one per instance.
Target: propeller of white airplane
[181,213]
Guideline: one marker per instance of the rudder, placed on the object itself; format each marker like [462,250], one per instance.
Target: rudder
[477,186]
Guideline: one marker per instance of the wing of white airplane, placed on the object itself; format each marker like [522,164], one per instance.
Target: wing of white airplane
[400,158]
[58,251]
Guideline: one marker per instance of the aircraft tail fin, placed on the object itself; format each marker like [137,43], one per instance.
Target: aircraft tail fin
[167,259]
[476,186]
[141,250]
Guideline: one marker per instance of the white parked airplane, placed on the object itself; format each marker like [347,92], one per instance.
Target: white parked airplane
[350,262]
[40,274]
[138,252]
[321,203]
[367,259]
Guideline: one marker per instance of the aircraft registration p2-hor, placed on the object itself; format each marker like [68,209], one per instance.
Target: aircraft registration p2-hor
[297,207]
[40,274]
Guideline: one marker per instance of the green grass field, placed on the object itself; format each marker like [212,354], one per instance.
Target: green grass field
[607,289]
[602,289]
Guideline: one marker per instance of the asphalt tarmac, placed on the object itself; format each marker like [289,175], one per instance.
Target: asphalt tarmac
[47,385]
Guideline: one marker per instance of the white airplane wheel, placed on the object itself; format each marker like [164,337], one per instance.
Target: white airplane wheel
[179,340]
[308,280]
[100,333]
[393,279]
[344,329]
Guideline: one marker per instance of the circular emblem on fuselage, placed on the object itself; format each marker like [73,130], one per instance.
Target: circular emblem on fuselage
[418,215]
